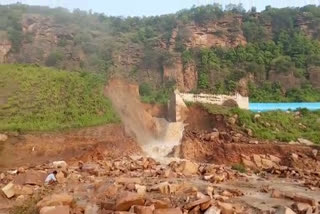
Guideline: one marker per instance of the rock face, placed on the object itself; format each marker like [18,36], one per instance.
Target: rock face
[287,80]
[225,32]
[185,76]
[5,47]
[314,73]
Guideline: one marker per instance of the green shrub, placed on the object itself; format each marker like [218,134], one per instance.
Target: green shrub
[39,98]
[239,167]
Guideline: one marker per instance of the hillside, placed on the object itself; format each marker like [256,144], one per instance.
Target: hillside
[273,55]
[38,98]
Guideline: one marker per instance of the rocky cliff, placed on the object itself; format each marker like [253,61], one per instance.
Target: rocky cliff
[140,50]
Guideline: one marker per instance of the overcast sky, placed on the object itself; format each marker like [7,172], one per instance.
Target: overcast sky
[152,7]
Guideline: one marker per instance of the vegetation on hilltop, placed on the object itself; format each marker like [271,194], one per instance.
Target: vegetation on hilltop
[279,42]
[275,125]
[38,98]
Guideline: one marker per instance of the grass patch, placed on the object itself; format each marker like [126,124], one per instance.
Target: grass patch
[275,125]
[42,99]
[239,167]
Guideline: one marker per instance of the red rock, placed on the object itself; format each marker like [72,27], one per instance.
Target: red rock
[226,208]
[55,210]
[276,194]
[284,210]
[305,199]
[159,204]
[55,200]
[188,168]
[128,199]
[143,209]
[168,211]
[197,202]
[30,177]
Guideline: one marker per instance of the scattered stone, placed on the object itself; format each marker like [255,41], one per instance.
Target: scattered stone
[91,168]
[141,190]
[315,153]
[126,180]
[23,190]
[301,207]
[8,190]
[3,137]
[60,177]
[55,210]
[284,210]
[168,211]
[128,199]
[267,164]
[213,210]
[304,199]
[159,204]
[55,200]
[60,164]
[91,209]
[226,208]
[232,120]
[248,163]
[188,168]
[294,156]
[197,202]
[305,142]
[276,194]
[2,176]
[143,209]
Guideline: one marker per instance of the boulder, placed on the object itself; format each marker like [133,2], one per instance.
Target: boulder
[55,210]
[55,200]
[257,160]
[164,188]
[91,168]
[188,168]
[274,159]
[127,199]
[60,164]
[196,203]
[301,207]
[141,190]
[305,142]
[159,204]
[314,153]
[226,208]
[8,190]
[305,199]
[213,210]
[143,209]
[267,164]
[23,190]
[60,177]
[127,180]
[248,163]
[31,177]
[91,209]
[284,210]
[168,211]
[3,137]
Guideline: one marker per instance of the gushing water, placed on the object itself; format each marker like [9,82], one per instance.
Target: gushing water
[156,136]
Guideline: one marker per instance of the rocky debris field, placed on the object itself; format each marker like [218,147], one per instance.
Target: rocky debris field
[141,185]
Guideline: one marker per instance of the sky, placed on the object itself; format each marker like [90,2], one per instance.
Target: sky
[153,7]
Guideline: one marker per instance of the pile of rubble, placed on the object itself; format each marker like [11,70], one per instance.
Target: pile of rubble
[142,185]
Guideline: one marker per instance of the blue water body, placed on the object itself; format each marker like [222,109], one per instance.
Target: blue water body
[282,106]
